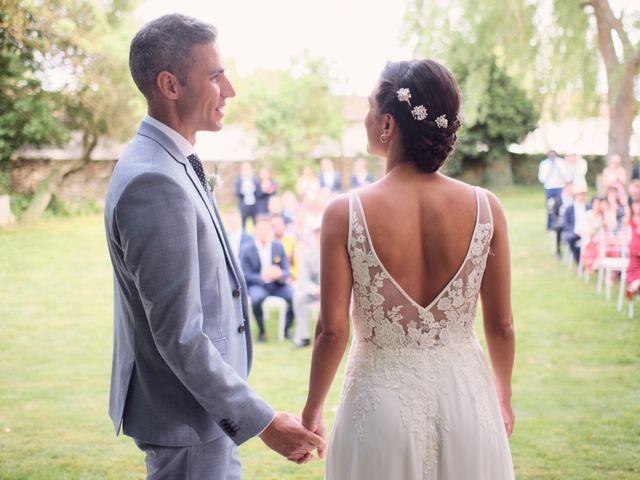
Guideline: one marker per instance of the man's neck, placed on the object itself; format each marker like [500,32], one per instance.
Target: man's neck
[172,120]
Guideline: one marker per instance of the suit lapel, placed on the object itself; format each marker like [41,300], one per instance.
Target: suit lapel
[156,135]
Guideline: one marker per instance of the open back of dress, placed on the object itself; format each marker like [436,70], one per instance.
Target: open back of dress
[418,401]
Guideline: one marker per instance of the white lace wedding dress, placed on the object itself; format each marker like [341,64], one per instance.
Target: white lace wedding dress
[418,401]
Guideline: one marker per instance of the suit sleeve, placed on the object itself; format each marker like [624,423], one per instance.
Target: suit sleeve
[156,223]
[251,275]
[285,265]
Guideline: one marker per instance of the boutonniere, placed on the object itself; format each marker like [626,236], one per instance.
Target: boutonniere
[277,259]
[215,180]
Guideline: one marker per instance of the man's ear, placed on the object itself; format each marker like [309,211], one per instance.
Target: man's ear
[168,85]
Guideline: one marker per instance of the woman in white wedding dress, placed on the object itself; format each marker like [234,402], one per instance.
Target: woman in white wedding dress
[412,253]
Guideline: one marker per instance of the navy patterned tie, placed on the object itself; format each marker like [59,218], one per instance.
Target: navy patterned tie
[197,166]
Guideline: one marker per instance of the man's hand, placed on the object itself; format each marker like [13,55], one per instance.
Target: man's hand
[275,273]
[286,436]
[315,424]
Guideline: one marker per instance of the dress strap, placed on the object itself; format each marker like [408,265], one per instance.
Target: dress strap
[485,215]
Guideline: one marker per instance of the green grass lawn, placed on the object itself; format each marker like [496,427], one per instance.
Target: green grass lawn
[576,382]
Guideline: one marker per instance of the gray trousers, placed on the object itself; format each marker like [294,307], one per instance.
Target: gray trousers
[216,460]
[301,304]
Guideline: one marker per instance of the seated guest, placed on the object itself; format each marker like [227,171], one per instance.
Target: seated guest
[238,237]
[307,289]
[633,270]
[266,270]
[287,240]
[574,221]
[616,212]
[634,191]
[591,234]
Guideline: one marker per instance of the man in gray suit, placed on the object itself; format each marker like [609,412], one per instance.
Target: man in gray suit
[182,340]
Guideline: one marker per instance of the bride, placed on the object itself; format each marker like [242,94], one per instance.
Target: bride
[414,251]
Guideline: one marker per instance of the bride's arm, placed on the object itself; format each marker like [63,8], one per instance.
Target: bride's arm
[496,312]
[332,332]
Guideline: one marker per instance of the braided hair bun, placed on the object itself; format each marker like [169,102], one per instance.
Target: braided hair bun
[405,91]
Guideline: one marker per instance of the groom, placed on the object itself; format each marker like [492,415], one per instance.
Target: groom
[182,340]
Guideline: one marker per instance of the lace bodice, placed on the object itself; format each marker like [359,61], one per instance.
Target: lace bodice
[386,316]
[401,346]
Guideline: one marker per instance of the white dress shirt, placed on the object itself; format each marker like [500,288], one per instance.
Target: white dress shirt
[182,143]
[264,251]
[552,173]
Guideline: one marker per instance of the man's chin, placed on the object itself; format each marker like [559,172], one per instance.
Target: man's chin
[213,127]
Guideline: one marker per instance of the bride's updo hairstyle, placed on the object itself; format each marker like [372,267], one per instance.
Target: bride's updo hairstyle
[426,141]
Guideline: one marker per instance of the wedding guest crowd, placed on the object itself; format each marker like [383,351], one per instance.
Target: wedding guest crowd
[607,226]
[281,256]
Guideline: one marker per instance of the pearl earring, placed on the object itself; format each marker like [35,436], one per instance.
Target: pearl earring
[383,138]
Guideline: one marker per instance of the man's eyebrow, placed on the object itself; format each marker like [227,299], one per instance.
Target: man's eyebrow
[215,72]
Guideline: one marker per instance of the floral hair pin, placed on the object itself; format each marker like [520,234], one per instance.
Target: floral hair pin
[442,121]
[419,112]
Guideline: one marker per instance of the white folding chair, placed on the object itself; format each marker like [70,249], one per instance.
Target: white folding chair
[279,304]
[607,266]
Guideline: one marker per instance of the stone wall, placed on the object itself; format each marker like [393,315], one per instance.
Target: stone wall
[91,182]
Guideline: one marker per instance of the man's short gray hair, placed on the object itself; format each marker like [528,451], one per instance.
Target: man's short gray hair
[165,44]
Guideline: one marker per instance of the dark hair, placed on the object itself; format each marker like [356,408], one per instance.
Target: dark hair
[431,85]
[165,44]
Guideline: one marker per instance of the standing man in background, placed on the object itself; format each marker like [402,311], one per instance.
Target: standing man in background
[553,176]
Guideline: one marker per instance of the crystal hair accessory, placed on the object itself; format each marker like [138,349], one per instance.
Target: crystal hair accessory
[404,94]
[419,112]
[442,121]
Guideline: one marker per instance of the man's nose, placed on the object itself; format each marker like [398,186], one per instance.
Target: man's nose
[228,90]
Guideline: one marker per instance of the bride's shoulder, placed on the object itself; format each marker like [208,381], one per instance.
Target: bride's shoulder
[335,218]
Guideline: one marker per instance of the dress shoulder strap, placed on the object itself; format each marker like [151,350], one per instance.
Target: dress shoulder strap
[484,215]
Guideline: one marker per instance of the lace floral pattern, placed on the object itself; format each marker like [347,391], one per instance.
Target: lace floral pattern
[401,346]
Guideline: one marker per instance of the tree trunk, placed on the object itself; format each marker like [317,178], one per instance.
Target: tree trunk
[51,184]
[621,77]
[6,216]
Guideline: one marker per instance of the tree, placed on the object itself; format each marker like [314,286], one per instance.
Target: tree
[28,114]
[552,48]
[621,66]
[504,117]
[292,112]
[85,44]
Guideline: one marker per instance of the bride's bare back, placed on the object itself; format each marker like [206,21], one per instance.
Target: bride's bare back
[421,227]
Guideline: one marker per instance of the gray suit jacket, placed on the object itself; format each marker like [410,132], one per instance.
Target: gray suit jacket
[182,340]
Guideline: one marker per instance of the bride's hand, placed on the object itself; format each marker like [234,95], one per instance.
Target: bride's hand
[508,416]
[315,424]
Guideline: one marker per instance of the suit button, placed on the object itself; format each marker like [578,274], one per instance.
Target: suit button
[241,329]
[236,292]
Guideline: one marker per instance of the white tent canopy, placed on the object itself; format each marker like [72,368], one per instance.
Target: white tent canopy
[586,136]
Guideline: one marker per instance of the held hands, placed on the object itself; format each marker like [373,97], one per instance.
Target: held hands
[286,436]
[315,424]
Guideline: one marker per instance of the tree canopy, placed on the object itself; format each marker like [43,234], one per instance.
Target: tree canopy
[552,49]
[292,112]
[65,70]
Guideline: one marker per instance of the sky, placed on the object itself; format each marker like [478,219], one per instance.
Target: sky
[357,37]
